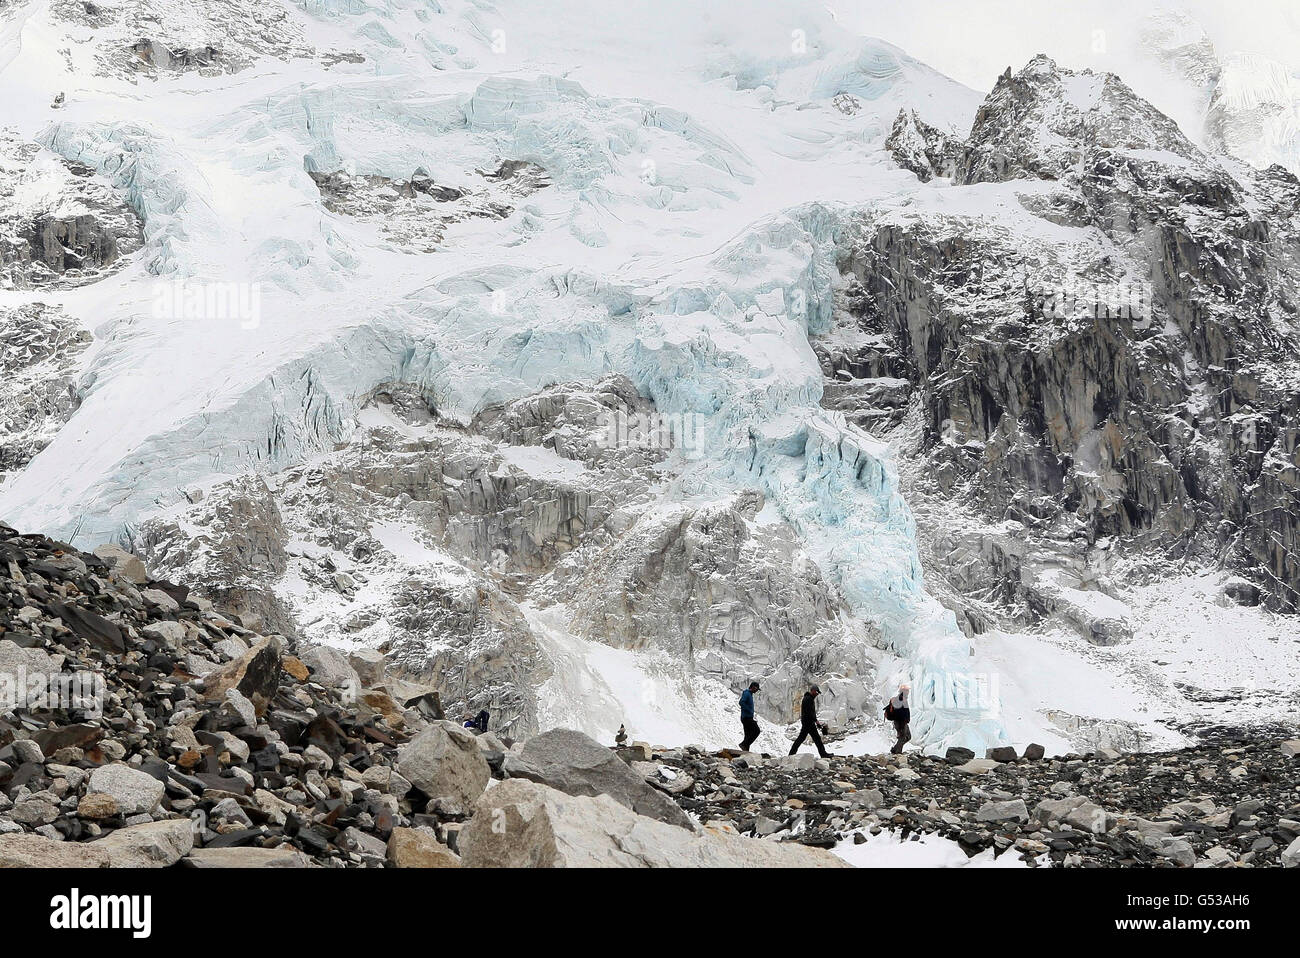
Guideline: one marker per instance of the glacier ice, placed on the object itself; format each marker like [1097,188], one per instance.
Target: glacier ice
[749,375]
[706,221]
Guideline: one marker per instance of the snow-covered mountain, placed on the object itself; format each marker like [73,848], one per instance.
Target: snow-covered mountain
[595,364]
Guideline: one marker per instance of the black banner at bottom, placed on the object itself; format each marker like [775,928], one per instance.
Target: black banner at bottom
[409,906]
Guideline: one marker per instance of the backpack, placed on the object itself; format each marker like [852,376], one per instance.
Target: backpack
[889,711]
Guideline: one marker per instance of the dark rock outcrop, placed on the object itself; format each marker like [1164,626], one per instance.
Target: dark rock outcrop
[1133,378]
[80,230]
[40,350]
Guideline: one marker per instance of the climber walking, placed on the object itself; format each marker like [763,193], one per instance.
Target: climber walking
[898,712]
[747,716]
[808,723]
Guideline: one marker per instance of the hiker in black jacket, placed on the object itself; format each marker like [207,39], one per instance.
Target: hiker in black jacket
[808,722]
[900,714]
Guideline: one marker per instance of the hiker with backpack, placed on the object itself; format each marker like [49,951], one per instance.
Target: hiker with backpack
[898,712]
[747,721]
[808,724]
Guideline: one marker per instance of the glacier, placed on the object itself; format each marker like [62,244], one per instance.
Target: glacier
[701,192]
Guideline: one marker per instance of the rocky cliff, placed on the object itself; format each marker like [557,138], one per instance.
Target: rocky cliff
[424,538]
[1123,372]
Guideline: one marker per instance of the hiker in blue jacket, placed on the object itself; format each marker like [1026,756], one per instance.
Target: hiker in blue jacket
[747,716]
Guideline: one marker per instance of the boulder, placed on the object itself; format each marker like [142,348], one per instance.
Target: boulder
[1145,827]
[1291,855]
[96,805]
[384,779]
[1035,752]
[368,665]
[134,791]
[161,600]
[166,631]
[123,564]
[150,845]
[1003,753]
[577,765]
[1088,817]
[636,752]
[1189,809]
[516,767]
[81,735]
[1246,809]
[284,856]
[25,750]
[1215,857]
[1177,850]
[867,797]
[255,675]
[444,761]
[488,742]
[295,668]
[799,761]
[385,705]
[91,626]
[36,851]
[526,824]
[1055,809]
[329,667]
[34,812]
[354,839]
[416,848]
[1289,827]
[1011,811]
[16,660]
[958,755]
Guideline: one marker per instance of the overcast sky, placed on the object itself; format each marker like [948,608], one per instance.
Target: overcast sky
[975,40]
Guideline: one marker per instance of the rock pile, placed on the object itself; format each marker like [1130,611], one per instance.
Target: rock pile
[415,213]
[156,39]
[140,727]
[1209,806]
